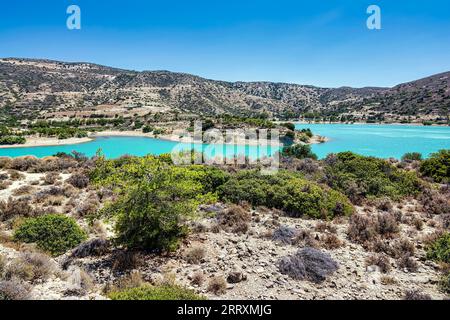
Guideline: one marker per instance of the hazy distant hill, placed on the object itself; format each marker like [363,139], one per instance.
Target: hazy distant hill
[32,87]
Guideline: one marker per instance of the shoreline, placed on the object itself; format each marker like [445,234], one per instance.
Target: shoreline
[48,142]
[416,124]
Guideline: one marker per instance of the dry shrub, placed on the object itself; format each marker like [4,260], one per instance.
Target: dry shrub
[417,223]
[387,225]
[126,260]
[195,255]
[285,235]
[306,238]
[432,237]
[416,295]
[22,191]
[14,289]
[308,263]
[361,228]
[15,175]
[217,285]
[331,241]
[379,260]
[23,163]
[53,201]
[445,221]
[69,191]
[383,204]
[132,280]
[78,180]
[5,162]
[408,263]
[402,247]
[88,206]
[30,266]
[55,164]
[388,280]
[235,219]
[15,208]
[325,227]
[2,265]
[5,184]
[51,178]
[434,202]
[198,278]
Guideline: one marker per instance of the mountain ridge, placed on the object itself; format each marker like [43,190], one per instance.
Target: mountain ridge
[31,87]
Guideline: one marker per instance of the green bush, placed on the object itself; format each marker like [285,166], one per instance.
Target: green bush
[359,177]
[439,250]
[286,191]
[412,156]
[154,198]
[9,140]
[147,292]
[299,151]
[53,233]
[444,283]
[437,166]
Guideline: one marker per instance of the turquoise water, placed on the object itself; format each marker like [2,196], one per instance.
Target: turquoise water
[114,147]
[383,141]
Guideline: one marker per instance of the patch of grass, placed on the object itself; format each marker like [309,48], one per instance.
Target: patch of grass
[148,292]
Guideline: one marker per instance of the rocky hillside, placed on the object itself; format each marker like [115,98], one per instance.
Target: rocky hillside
[29,88]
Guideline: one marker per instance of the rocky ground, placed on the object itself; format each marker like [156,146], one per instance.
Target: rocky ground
[225,262]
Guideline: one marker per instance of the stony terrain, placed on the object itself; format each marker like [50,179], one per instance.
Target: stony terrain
[31,89]
[244,263]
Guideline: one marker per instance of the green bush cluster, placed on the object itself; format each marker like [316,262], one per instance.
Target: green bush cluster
[154,198]
[147,292]
[437,166]
[299,151]
[286,191]
[439,250]
[412,156]
[359,177]
[53,233]
[9,140]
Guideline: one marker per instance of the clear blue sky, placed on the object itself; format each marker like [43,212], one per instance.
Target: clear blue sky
[324,43]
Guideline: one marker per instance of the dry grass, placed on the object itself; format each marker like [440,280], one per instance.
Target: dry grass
[331,242]
[195,255]
[198,278]
[380,261]
[217,285]
[325,227]
[15,175]
[124,260]
[236,219]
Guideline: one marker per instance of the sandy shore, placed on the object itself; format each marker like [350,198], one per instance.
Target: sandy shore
[42,142]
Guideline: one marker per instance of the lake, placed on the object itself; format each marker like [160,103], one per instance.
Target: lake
[383,141]
[116,146]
